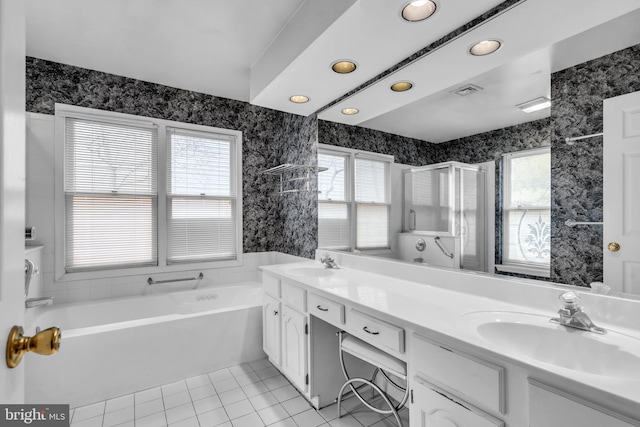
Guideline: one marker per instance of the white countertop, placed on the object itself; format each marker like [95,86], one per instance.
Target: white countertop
[436,301]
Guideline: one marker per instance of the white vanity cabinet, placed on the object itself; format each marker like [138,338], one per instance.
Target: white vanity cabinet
[455,380]
[453,388]
[285,329]
[271,329]
[434,407]
[549,406]
[294,346]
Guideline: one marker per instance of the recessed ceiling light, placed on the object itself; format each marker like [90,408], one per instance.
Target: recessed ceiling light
[344,67]
[401,86]
[485,47]
[535,104]
[299,99]
[350,111]
[418,10]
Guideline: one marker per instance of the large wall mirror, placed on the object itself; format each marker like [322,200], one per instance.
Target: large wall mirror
[484,126]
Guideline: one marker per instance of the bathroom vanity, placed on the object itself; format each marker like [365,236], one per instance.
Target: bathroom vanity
[480,349]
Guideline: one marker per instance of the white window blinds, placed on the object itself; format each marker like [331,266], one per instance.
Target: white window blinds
[332,183]
[201,196]
[371,181]
[110,195]
[353,204]
[334,224]
[372,206]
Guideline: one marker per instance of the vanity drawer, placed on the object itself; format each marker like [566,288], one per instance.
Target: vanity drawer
[436,407]
[294,296]
[375,331]
[326,309]
[467,376]
[271,285]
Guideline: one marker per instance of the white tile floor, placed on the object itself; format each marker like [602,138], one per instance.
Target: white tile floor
[250,395]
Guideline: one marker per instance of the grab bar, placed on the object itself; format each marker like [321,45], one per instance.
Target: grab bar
[437,240]
[150,281]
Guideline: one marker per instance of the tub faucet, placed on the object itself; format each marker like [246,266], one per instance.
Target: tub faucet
[36,302]
[571,315]
[329,262]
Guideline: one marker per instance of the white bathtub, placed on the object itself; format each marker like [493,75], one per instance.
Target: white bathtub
[115,347]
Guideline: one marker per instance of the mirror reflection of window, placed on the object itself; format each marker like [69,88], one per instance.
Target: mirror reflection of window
[353,200]
[526,240]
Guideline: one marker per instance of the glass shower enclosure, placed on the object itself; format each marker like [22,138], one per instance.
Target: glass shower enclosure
[444,216]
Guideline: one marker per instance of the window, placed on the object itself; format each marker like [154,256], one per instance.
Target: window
[526,215]
[145,193]
[353,203]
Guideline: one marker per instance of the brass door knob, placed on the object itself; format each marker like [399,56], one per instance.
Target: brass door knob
[613,247]
[45,342]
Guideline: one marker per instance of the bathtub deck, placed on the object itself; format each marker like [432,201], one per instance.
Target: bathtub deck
[249,395]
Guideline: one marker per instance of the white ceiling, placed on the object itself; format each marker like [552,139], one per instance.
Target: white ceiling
[265,51]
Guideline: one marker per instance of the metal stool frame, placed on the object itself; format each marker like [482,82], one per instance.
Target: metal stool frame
[350,381]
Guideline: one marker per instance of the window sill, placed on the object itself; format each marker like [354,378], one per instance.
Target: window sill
[522,269]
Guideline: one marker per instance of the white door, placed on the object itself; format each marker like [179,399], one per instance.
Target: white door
[621,193]
[294,346]
[12,179]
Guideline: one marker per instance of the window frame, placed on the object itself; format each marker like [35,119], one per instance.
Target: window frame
[509,265]
[62,111]
[350,193]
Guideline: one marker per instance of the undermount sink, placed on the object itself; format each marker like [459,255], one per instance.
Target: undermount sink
[310,271]
[533,336]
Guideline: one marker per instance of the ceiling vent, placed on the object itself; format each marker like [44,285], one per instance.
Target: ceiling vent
[467,90]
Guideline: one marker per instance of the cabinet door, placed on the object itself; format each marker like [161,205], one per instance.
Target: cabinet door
[294,346]
[549,406]
[433,408]
[271,328]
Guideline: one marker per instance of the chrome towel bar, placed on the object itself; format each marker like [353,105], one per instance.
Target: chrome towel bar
[571,141]
[571,223]
[150,281]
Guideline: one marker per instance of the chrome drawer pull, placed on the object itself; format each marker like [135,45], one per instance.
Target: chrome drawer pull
[275,312]
[321,308]
[369,332]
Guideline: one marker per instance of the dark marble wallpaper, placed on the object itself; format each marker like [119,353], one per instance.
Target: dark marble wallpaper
[269,137]
[405,150]
[299,212]
[576,171]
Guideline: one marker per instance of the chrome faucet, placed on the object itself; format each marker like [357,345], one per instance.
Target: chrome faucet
[329,262]
[571,315]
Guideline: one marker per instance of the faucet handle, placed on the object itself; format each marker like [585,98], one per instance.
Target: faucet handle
[570,299]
